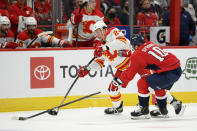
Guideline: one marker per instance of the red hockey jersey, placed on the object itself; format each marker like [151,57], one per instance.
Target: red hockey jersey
[25,39]
[149,56]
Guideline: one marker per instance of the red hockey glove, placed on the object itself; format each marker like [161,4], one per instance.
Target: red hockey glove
[124,53]
[98,52]
[12,45]
[78,18]
[82,71]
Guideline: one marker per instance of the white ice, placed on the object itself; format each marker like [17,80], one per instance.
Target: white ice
[93,119]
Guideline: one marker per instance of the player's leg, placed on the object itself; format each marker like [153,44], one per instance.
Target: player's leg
[115,97]
[161,99]
[177,105]
[166,80]
[143,96]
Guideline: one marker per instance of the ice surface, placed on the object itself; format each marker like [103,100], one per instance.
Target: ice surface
[93,119]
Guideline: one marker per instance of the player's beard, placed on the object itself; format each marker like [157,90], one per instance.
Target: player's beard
[4,32]
[31,31]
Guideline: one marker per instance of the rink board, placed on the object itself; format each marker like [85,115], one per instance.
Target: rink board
[36,79]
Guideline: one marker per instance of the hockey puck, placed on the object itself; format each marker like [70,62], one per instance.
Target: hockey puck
[52,112]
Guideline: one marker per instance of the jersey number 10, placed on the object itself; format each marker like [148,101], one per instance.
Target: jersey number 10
[158,53]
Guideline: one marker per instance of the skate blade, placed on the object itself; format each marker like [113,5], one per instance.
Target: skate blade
[140,117]
[182,110]
[161,116]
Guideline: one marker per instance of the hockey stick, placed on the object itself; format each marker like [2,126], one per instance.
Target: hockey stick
[81,7]
[54,112]
[43,33]
[25,118]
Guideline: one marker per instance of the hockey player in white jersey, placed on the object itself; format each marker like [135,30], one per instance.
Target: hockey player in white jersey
[82,21]
[112,40]
[6,35]
[32,37]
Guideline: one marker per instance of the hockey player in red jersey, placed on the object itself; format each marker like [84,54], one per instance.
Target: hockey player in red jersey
[29,37]
[112,40]
[6,35]
[166,71]
[82,22]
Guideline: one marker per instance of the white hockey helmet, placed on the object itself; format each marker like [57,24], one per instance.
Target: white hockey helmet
[99,25]
[30,21]
[4,20]
[86,1]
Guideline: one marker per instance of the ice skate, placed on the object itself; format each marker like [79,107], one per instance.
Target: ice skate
[159,113]
[114,110]
[178,107]
[141,113]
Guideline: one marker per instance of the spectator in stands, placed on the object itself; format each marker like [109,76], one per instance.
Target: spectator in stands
[156,8]
[146,18]
[114,3]
[194,3]
[3,8]
[189,8]
[6,35]
[111,19]
[17,10]
[124,19]
[29,38]
[43,10]
[78,3]
[82,23]
[187,25]
[4,4]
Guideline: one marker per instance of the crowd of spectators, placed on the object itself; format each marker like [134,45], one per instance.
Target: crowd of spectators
[116,12]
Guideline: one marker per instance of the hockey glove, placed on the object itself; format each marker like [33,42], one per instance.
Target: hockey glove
[98,52]
[124,53]
[82,71]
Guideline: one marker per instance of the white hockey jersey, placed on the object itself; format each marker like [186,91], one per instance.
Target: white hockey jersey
[85,26]
[115,41]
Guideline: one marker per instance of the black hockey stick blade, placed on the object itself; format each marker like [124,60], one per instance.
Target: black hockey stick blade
[38,114]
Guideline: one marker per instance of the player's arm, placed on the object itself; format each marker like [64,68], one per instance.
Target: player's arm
[76,18]
[97,64]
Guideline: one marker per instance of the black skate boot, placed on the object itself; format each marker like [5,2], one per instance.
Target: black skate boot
[160,112]
[178,107]
[141,113]
[114,110]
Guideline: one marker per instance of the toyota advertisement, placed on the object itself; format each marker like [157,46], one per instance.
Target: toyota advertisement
[43,73]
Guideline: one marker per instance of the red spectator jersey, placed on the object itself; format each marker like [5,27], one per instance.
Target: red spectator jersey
[147,19]
[43,11]
[109,23]
[15,10]
[3,4]
[149,56]
[4,12]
